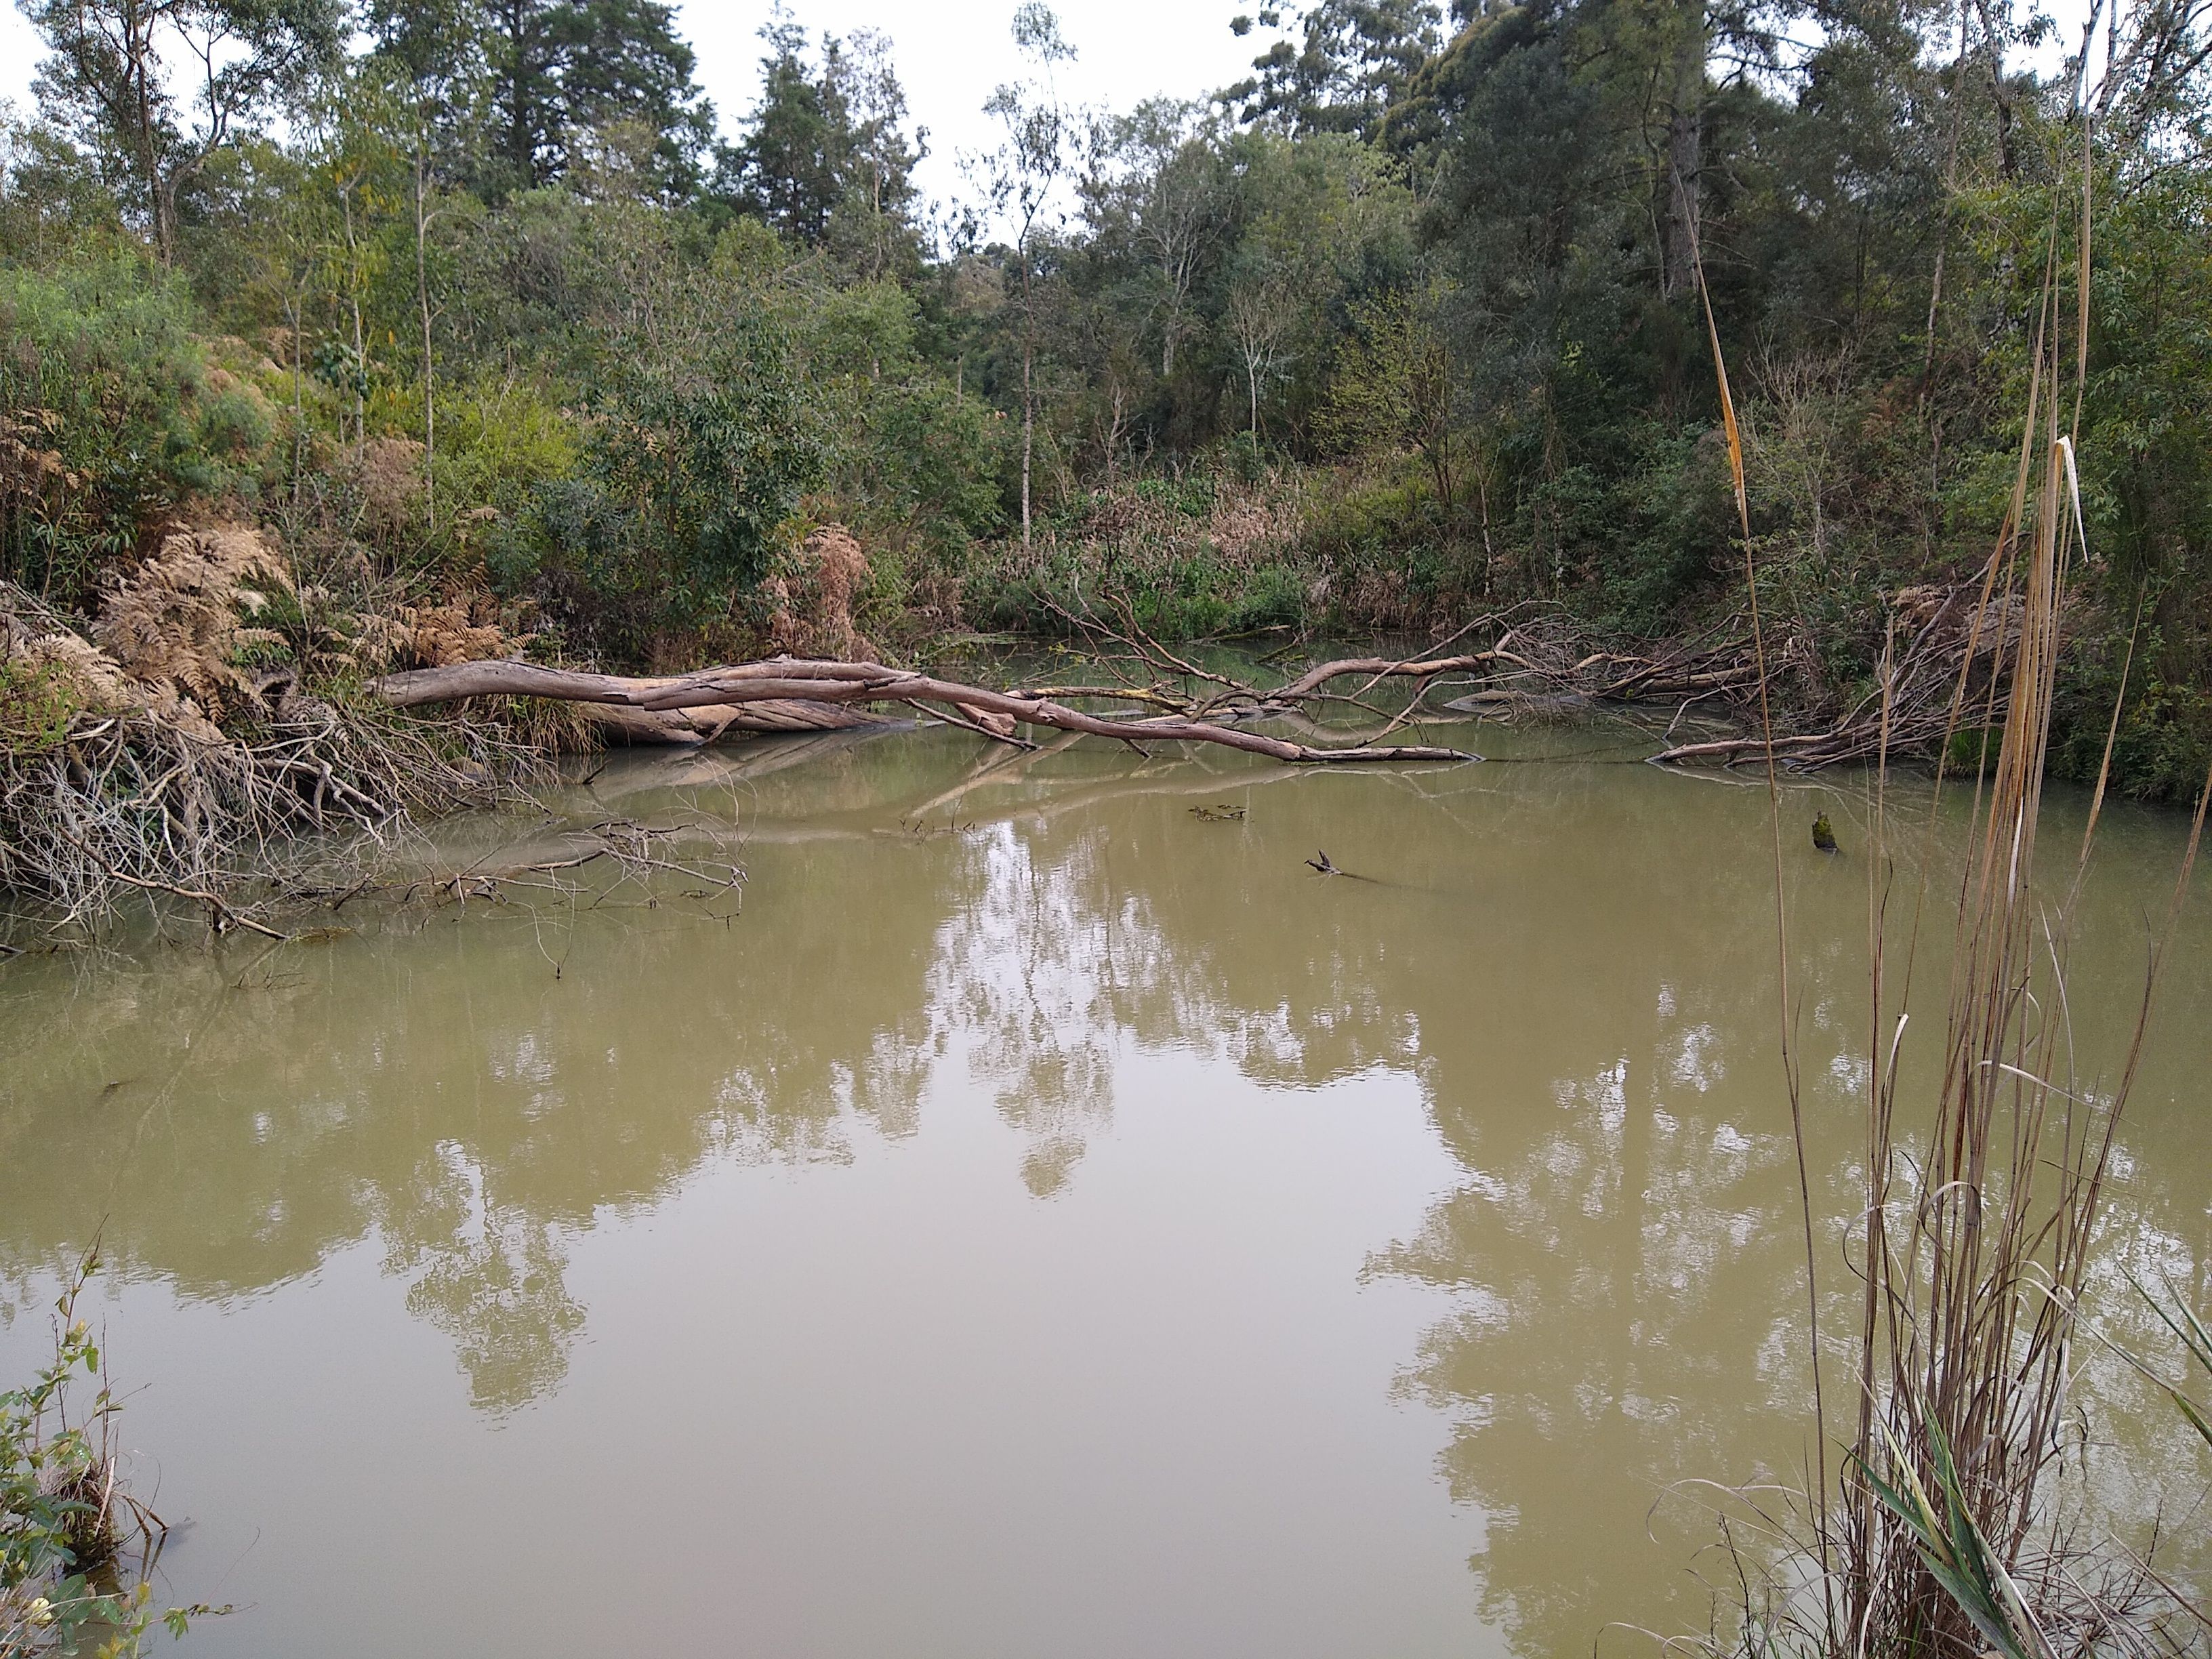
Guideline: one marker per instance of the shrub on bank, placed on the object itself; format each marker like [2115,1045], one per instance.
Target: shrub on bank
[112,414]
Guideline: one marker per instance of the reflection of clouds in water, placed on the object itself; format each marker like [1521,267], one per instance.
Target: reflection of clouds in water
[1696,1063]
[1267,1041]
[1851,1073]
[1606,1090]
[526,1061]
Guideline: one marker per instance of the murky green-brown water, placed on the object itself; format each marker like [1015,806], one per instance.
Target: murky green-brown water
[1045,1221]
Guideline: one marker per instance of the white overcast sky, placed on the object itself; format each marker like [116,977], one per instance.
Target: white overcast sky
[949,57]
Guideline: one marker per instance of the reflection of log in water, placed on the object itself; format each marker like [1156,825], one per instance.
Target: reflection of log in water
[729,767]
[620,724]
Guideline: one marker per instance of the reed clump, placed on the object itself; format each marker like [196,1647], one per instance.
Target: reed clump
[1979,1224]
[1943,1529]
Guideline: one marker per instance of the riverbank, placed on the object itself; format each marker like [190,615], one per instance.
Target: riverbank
[196,741]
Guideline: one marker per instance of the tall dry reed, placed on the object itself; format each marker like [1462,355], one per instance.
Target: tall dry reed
[1939,1533]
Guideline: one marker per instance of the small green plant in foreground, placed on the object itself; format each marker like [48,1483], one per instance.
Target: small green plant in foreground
[64,1585]
[36,708]
[1953,1548]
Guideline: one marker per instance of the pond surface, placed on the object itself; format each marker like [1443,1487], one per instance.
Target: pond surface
[1043,1218]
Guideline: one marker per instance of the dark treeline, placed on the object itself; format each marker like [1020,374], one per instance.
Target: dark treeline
[479,303]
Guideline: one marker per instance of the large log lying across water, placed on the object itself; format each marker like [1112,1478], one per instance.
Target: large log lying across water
[797,685]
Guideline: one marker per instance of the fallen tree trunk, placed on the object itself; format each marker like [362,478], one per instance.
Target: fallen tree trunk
[622,724]
[800,680]
[1381,668]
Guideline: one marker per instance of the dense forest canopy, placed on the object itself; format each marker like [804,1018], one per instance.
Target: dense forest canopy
[481,302]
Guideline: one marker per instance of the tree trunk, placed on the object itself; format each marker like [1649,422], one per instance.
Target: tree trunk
[703,725]
[138,38]
[2008,150]
[1685,155]
[295,313]
[360,338]
[1029,401]
[1950,192]
[1482,502]
[429,365]
[785,680]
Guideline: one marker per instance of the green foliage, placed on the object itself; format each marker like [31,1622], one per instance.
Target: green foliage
[2163,748]
[1195,595]
[710,460]
[1192,495]
[58,1527]
[1351,61]
[1432,284]
[1200,597]
[103,82]
[1953,1548]
[1395,386]
[925,461]
[36,708]
[500,446]
[824,159]
[1389,552]
[1384,518]
[529,91]
[101,373]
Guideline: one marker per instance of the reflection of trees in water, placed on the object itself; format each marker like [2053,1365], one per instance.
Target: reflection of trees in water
[1581,975]
[451,1094]
[490,1279]
[1574,963]
[1027,974]
[1617,1251]
[1617,1261]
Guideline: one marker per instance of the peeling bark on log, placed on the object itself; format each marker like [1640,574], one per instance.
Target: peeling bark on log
[788,680]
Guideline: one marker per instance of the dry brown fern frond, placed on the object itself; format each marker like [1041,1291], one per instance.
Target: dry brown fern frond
[813,601]
[176,622]
[28,463]
[34,635]
[389,472]
[434,635]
